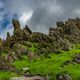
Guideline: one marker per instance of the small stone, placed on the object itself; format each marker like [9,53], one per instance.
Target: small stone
[26,69]
[17,78]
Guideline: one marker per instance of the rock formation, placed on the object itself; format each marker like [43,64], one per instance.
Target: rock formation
[64,77]
[16,24]
[69,30]
[27,30]
[1,46]
[60,38]
[8,35]
[77,58]
[35,44]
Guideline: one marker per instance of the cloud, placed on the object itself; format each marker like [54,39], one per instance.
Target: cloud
[39,15]
[9,29]
[25,17]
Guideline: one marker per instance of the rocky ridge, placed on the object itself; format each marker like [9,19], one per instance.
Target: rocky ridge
[63,37]
[60,38]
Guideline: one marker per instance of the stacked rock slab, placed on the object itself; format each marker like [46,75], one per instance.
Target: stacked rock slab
[69,30]
[65,34]
[16,24]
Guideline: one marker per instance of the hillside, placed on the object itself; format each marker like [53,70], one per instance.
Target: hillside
[28,54]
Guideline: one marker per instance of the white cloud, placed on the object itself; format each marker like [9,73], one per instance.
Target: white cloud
[4,32]
[40,14]
[25,17]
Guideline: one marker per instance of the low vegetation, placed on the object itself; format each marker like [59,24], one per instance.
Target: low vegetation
[34,53]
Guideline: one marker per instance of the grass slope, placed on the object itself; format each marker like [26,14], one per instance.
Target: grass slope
[52,66]
[47,65]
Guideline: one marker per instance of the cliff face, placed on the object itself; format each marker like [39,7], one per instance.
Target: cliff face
[24,47]
[61,37]
[69,30]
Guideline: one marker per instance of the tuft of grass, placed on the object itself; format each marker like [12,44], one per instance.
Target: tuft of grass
[6,75]
[52,66]
[19,64]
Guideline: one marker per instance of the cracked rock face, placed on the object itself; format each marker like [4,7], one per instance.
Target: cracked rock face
[61,37]
[28,78]
[64,77]
[69,29]
[77,58]
[16,24]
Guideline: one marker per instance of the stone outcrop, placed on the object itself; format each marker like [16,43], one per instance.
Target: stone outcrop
[39,37]
[11,57]
[8,35]
[31,55]
[16,24]
[1,45]
[60,38]
[27,30]
[5,66]
[77,58]
[69,30]
[28,78]
[60,24]
[64,77]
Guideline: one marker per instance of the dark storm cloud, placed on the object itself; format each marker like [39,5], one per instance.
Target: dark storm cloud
[49,11]
[45,13]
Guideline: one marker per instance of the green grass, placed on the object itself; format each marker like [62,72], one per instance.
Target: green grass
[21,63]
[52,66]
[47,65]
[32,47]
[6,75]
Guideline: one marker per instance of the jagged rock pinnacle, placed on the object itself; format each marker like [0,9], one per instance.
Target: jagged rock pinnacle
[16,24]
[8,35]
[27,30]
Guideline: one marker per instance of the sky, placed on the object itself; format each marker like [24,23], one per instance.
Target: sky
[39,15]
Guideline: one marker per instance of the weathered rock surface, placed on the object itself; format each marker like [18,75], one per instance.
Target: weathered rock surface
[1,45]
[69,29]
[27,30]
[77,58]
[64,77]
[11,57]
[39,37]
[16,24]
[28,78]
[31,55]
[60,38]
[4,66]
